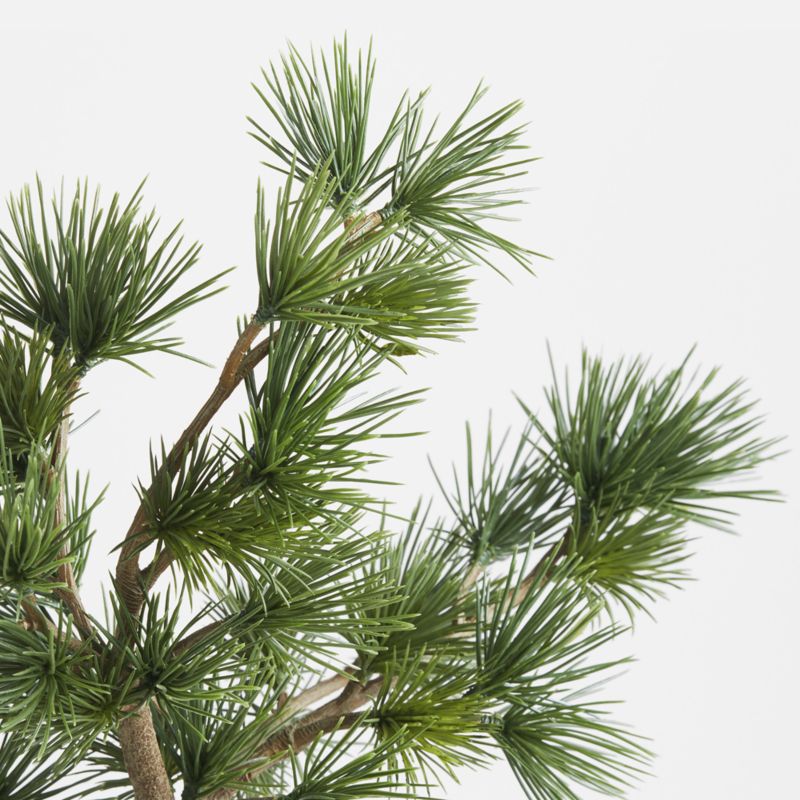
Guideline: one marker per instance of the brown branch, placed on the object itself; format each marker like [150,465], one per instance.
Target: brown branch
[71,598]
[197,636]
[137,735]
[338,714]
[319,691]
[131,582]
[162,562]
[142,757]
[240,362]
[357,227]
[341,711]
[68,593]
[36,619]
[33,616]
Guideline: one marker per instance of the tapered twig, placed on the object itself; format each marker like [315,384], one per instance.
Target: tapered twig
[338,714]
[316,692]
[341,712]
[68,591]
[131,581]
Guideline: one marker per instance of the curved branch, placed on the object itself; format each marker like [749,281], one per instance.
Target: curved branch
[131,582]
[354,696]
[137,735]
[338,714]
[68,593]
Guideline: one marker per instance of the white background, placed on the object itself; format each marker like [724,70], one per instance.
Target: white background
[668,197]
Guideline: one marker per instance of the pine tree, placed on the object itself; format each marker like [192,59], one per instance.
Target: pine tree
[270,630]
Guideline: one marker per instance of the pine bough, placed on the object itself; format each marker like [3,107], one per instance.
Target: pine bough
[308,645]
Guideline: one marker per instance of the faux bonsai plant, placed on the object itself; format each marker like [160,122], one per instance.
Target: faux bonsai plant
[307,644]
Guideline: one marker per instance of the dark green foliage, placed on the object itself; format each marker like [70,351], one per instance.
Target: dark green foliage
[310,269]
[428,570]
[451,185]
[409,289]
[634,441]
[213,743]
[96,278]
[308,650]
[629,557]
[78,520]
[202,514]
[36,389]
[206,669]
[303,256]
[537,642]
[324,770]
[26,774]
[31,537]
[502,507]
[301,445]
[47,684]
[319,605]
[323,111]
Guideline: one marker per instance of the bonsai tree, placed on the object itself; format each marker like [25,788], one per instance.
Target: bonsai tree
[272,628]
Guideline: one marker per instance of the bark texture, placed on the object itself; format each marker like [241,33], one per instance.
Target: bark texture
[143,757]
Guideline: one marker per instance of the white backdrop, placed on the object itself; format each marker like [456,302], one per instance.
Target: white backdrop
[668,197]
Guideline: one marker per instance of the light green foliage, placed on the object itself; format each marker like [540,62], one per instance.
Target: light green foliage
[36,391]
[443,718]
[31,535]
[313,642]
[47,684]
[326,771]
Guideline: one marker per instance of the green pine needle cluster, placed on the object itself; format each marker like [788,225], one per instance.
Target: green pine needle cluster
[98,278]
[271,629]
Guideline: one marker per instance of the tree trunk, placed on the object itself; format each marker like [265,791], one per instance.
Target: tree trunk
[143,757]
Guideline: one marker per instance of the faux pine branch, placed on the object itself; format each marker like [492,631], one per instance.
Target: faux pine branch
[269,630]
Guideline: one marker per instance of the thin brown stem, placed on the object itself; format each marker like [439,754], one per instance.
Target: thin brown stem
[36,619]
[197,636]
[543,570]
[33,616]
[341,711]
[338,714]
[313,694]
[130,583]
[68,591]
